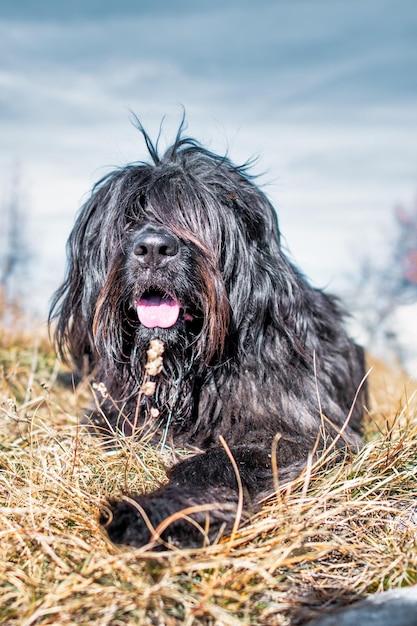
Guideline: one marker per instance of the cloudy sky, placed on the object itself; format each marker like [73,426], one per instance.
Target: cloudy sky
[324,91]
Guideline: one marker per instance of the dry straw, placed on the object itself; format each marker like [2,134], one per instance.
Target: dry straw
[336,535]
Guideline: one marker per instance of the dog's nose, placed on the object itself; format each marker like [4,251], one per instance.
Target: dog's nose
[152,247]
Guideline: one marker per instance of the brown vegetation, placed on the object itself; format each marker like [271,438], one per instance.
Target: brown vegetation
[335,536]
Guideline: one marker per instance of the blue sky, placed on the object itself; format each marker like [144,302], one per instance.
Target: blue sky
[324,91]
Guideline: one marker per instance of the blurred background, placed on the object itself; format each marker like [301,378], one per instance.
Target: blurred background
[323,91]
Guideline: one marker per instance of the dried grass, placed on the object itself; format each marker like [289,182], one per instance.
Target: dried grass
[336,535]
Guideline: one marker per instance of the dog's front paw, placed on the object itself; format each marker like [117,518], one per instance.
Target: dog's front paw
[153,520]
[174,515]
[125,524]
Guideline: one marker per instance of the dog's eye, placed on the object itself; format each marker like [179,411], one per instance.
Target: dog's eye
[142,200]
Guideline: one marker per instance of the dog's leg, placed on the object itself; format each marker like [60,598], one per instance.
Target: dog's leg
[202,498]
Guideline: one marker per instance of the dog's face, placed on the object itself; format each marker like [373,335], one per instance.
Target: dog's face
[177,250]
[162,280]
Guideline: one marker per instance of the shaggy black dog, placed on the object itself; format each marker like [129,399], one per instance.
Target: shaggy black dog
[255,370]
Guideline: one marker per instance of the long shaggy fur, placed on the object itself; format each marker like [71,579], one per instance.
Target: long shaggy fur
[256,355]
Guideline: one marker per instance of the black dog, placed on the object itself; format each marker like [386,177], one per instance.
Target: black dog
[255,361]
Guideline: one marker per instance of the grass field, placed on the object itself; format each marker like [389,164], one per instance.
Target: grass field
[335,536]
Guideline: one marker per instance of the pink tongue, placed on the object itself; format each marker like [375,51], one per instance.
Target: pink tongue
[156,310]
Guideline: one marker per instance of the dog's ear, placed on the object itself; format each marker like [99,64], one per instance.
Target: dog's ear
[73,304]
[265,290]
[69,316]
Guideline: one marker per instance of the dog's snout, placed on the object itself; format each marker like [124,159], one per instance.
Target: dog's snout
[153,248]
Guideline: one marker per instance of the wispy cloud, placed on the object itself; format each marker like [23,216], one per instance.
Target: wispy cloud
[325,91]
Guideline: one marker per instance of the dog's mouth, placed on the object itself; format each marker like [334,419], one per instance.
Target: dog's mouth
[158,309]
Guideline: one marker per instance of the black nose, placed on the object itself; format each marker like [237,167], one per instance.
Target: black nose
[154,247]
